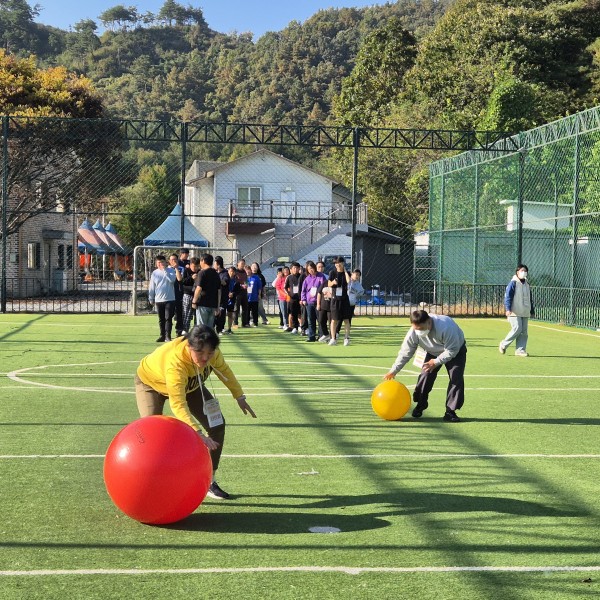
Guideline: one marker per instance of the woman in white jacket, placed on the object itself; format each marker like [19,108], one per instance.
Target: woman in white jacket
[519,308]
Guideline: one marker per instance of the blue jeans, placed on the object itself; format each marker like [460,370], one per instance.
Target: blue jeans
[311,317]
[205,316]
[283,307]
[518,332]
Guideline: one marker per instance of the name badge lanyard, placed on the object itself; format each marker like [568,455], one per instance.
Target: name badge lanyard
[211,407]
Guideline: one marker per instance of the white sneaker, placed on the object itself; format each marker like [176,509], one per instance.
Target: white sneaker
[324,338]
[294,331]
[333,342]
[521,353]
[346,341]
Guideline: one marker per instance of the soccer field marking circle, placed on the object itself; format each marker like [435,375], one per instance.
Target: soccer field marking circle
[300,569]
[18,375]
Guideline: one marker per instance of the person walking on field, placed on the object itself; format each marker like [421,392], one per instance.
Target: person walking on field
[519,309]
[178,372]
[444,344]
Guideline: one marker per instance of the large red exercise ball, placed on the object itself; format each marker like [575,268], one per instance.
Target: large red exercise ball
[157,470]
[390,400]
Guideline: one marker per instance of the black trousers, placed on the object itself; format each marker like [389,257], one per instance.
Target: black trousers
[455,394]
[323,318]
[166,311]
[241,307]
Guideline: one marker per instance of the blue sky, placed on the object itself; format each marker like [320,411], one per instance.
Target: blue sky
[225,16]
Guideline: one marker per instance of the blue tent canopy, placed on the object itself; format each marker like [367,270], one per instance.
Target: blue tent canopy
[169,232]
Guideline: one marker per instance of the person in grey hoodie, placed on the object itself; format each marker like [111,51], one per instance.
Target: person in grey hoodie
[519,308]
[444,344]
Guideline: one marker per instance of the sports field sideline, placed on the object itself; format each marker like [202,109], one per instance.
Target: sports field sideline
[502,505]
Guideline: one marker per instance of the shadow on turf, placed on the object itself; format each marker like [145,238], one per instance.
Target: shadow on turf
[274,523]
[392,504]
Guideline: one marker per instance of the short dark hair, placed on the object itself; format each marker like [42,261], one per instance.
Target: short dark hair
[521,266]
[339,259]
[219,261]
[194,260]
[184,250]
[357,271]
[207,259]
[418,317]
[200,336]
[296,264]
[161,257]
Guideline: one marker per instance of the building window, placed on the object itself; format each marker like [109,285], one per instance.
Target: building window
[61,256]
[70,256]
[249,196]
[34,255]
[393,249]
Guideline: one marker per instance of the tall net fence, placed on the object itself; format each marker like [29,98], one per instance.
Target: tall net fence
[87,205]
[540,206]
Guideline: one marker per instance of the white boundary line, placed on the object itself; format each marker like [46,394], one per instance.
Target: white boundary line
[300,569]
[326,456]
[594,335]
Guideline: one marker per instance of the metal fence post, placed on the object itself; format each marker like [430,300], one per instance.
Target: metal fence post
[476,225]
[3,290]
[184,132]
[355,146]
[520,206]
[577,158]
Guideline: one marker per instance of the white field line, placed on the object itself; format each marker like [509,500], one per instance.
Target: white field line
[588,334]
[324,456]
[299,569]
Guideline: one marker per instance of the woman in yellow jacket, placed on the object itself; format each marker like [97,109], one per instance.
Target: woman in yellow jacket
[177,371]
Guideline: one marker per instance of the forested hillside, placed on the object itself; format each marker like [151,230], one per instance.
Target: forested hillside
[503,65]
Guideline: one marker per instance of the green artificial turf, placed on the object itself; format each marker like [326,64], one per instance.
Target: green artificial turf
[424,508]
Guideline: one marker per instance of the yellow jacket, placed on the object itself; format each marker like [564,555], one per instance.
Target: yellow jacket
[171,372]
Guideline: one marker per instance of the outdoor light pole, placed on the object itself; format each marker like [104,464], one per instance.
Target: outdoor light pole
[4,210]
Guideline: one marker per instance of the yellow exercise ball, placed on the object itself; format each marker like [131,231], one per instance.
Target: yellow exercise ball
[390,400]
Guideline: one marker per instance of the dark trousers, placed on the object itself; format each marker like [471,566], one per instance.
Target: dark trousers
[455,395]
[241,307]
[220,320]
[165,311]
[323,318]
[179,313]
[253,311]
[294,310]
[150,402]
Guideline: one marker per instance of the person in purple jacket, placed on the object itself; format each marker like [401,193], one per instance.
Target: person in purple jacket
[308,298]
[519,308]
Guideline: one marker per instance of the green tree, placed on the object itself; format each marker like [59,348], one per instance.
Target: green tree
[377,77]
[16,23]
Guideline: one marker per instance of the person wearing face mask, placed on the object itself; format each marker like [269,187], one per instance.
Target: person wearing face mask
[444,344]
[519,308]
[177,371]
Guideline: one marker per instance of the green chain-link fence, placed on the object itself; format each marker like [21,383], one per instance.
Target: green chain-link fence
[540,206]
[88,204]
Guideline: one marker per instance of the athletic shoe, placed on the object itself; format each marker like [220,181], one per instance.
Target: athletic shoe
[294,331]
[265,322]
[253,325]
[324,338]
[303,332]
[226,332]
[521,353]
[417,412]
[160,339]
[214,491]
[310,339]
[346,341]
[332,342]
[288,329]
[501,349]
[451,416]
[167,339]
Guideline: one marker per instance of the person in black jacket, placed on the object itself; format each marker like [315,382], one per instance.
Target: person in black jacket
[292,288]
[187,283]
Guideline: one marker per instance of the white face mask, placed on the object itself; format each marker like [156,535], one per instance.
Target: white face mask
[522,274]
[422,332]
